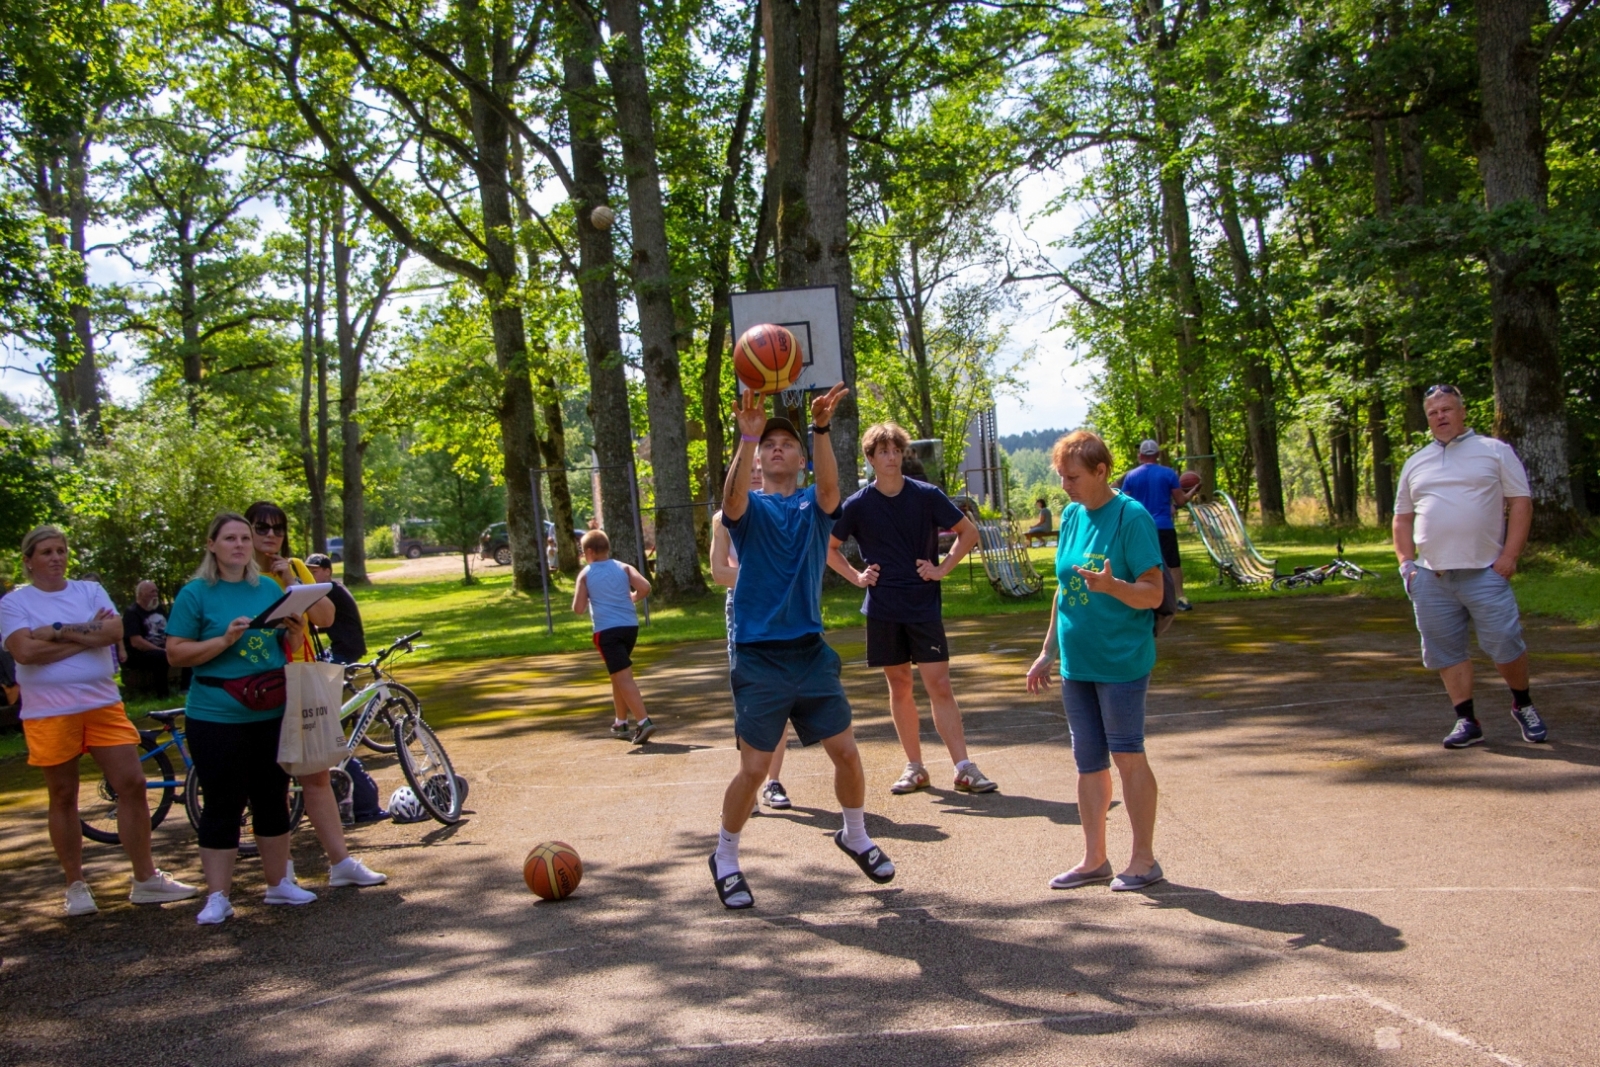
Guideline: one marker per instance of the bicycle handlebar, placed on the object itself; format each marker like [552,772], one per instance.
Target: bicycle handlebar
[399,643]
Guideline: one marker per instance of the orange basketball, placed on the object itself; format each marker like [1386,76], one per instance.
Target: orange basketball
[767,358]
[552,870]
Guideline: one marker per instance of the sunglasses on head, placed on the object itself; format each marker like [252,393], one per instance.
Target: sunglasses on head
[265,528]
[1447,390]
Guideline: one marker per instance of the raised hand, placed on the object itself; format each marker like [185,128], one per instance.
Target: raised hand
[822,407]
[1099,581]
[750,413]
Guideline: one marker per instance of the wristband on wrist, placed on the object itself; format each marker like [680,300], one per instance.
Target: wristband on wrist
[820,430]
[747,437]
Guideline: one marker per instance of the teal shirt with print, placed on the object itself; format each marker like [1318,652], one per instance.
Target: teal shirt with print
[1101,638]
[202,612]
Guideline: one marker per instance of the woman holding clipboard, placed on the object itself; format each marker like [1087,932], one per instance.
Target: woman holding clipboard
[269,530]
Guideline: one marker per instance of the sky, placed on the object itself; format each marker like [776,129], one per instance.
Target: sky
[1055,397]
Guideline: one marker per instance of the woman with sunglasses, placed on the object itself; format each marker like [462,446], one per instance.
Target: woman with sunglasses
[269,530]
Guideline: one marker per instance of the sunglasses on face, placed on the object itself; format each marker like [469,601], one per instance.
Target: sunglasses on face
[267,528]
[1435,390]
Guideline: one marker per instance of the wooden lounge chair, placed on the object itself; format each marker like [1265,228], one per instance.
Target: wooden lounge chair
[1222,532]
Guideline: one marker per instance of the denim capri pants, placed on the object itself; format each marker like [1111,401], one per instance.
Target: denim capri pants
[1104,717]
[1447,601]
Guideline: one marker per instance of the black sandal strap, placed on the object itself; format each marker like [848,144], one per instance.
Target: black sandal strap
[732,885]
[871,861]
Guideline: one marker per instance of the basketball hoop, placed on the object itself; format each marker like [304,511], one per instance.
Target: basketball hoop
[792,399]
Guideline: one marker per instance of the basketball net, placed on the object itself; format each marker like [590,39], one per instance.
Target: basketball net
[793,400]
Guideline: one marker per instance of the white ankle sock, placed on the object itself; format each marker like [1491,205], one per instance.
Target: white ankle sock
[963,763]
[855,829]
[619,722]
[727,853]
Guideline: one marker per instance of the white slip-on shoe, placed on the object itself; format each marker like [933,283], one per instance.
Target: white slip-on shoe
[216,911]
[351,871]
[161,888]
[286,892]
[80,901]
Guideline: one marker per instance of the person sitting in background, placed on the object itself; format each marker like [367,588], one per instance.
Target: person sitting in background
[144,631]
[347,638]
[1042,520]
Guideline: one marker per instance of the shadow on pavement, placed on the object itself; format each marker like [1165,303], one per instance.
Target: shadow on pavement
[1341,929]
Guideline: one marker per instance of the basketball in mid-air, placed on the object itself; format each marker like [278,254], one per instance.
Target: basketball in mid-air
[602,217]
[1188,480]
[767,358]
[552,870]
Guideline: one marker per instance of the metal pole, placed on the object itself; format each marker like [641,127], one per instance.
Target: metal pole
[544,560]
[638,528]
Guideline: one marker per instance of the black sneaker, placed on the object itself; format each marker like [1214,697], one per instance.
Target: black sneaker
[646,728]
[1467,732]
[622,731]
[773,796]
[1533,728]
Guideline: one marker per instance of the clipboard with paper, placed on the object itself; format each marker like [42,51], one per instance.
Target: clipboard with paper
[295,600]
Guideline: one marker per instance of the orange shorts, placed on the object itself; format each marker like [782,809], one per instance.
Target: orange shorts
[62,738]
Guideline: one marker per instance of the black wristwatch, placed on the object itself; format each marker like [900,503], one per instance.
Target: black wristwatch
[820,430]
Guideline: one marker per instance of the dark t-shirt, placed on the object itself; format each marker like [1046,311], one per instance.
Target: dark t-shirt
[346,636]
[894,532]
[150,625]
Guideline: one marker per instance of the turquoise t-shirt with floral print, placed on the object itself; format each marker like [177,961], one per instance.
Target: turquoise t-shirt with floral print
[1101,638]
[204,611]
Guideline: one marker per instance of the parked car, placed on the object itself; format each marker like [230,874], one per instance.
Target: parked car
[336,549]
[415,538]
[495,544]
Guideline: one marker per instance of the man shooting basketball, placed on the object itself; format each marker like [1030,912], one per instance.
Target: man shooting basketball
[781,669]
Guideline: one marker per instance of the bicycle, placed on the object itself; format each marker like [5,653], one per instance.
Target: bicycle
[99,823]
[1338,567]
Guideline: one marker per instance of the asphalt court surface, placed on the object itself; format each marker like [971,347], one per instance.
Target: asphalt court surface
[1342,889]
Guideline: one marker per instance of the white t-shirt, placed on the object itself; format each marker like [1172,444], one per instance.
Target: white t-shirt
[1458,493]
[67,686]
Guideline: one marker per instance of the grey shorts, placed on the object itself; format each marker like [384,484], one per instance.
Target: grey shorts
[1447,601]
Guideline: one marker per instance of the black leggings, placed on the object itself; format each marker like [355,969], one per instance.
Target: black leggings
[238,764]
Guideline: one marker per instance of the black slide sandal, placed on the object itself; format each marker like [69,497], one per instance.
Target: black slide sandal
[871,861]
[732,885]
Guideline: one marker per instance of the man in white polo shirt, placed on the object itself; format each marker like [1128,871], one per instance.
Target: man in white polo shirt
[1458,550]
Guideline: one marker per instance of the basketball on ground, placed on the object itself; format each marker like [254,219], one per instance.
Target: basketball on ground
[767,358]
[552,870]
[1188,479]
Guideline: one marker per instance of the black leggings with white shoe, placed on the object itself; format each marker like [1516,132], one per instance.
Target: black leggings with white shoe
[238,764]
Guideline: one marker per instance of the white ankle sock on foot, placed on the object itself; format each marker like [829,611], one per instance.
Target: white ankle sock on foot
[727,853]
[963,763]
[855,829]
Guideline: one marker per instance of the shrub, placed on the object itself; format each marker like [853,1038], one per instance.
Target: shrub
[380,543]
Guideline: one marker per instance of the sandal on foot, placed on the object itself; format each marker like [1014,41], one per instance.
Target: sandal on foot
[1078,879]
[873,862]
[731,886]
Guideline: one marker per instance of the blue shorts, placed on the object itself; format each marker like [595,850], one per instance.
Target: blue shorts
[1104,717]
[1446,601]
[797,681]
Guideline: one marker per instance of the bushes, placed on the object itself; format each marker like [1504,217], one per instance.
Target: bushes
[380,543]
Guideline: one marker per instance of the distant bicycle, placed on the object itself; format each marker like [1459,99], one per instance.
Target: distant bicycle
[1338,567]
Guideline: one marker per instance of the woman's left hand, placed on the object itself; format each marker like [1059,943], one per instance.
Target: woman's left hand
[1100,581]
[294,628]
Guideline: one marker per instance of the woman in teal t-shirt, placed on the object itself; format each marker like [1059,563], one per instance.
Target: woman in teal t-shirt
[1102,627]
[234,744]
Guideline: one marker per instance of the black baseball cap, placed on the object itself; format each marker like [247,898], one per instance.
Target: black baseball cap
[779,424]
[319,559]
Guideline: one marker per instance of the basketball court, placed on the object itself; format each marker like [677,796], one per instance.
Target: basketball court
[1342,889]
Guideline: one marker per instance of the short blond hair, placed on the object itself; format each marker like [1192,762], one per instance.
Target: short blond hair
[1085,447]
[36,537]
[597,542]
[884,433]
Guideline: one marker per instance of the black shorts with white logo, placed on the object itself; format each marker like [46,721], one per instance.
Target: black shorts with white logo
[890,644]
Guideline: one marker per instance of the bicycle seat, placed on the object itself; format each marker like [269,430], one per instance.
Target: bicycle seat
[168,717]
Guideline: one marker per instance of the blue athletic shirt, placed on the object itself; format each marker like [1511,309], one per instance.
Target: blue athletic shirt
[1101,638]
[1151,484]
[610,604]
[894,532]
[202,612]
[782,543]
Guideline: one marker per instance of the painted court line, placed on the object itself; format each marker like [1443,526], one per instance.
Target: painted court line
[1444,1033]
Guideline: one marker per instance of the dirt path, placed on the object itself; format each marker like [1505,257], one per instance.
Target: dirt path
[1342,889]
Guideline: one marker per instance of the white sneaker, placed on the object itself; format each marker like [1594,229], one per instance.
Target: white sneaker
[160,888]
[79,900]
[286,892]
[216,911]
[351,871]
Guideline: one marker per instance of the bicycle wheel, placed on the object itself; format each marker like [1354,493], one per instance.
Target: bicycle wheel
[194,801]
[98,818]
[380,731]
[427,769]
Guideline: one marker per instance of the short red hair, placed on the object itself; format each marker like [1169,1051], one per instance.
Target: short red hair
[1085,447]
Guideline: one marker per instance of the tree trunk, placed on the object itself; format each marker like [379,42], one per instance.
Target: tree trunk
[786,178]
[351,352]
[1191,356]
[609,413]
[553,450]
[827,144]
[1342,445]
[677,560]
[1371,337]
[85,373]
[1524,344]
[312,281]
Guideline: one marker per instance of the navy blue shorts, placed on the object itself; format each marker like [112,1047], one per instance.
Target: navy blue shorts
[797,681]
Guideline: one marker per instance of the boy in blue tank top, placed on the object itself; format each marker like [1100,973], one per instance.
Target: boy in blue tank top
[608,591]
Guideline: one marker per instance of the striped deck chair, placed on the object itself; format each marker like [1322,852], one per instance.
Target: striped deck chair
[1222,532]
[1005,561]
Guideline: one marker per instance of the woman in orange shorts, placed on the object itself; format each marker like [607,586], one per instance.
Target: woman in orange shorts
[61,633]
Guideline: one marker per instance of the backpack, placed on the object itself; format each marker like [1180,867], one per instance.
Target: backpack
[1167,610]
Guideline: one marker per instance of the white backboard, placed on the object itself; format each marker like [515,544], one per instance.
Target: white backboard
[812,315]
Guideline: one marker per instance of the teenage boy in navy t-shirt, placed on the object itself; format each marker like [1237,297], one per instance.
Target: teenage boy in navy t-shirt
[896,521]
[780,667]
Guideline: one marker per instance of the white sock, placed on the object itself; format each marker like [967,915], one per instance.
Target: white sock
[727,853]
[619,722]
[963,763]
[855,829]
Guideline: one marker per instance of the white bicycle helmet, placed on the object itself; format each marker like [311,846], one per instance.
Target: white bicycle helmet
[405,807]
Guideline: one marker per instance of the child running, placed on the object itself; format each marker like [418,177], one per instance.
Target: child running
[781,669]
[608,591]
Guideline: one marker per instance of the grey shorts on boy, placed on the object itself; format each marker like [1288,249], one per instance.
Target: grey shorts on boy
[1446,602]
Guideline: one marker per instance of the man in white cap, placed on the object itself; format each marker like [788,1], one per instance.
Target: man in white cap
[1156,486]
